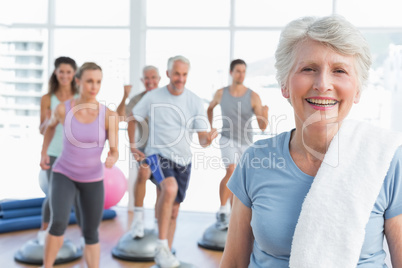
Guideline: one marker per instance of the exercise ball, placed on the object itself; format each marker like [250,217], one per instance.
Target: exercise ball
[115,184]
[43,181]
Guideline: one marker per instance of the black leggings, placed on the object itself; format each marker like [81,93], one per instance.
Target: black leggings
[45,204]
[91,198]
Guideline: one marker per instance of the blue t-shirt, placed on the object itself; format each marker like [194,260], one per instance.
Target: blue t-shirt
[172,120]
[268,181]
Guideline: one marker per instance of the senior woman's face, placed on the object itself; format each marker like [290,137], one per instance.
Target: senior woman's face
[322,82]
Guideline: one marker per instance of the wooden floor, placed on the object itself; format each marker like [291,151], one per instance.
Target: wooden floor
[190,227]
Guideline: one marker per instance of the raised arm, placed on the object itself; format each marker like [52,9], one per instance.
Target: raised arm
[215,101]
[45,113]
[112,128]
[260,111]
[240,239]
[131,125]
[121,109]
[56,118]
[393,232]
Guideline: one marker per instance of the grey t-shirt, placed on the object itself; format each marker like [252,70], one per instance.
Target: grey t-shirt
[173,120]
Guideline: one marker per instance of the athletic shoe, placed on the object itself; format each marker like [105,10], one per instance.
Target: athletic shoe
[137,229]
[164,257]
[82,242]
[41,237]
[222,220]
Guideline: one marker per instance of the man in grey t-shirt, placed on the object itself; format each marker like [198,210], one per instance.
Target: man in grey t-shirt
[150,80]
[174,113]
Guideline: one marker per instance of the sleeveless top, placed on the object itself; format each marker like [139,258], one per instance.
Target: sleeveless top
[56,145]
[236,117]
[82,147]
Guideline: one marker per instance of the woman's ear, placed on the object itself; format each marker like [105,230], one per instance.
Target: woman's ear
[357,96]
[285,92]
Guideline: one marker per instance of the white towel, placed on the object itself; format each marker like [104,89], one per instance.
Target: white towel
[331,227]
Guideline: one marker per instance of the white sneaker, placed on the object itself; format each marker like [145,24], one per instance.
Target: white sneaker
[41,237]
[82,242]
[164,257]
[222,220]
[137,229]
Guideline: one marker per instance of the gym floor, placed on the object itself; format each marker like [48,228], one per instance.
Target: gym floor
[190,227]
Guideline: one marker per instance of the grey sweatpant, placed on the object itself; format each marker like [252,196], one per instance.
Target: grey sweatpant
[91,199]
[45,204]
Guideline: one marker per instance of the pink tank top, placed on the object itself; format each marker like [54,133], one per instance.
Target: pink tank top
[82,146]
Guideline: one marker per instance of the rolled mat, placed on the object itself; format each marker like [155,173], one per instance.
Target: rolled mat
[18,213]
[17,204]
[33,222]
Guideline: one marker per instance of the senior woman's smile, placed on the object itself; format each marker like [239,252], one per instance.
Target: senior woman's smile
[322,103]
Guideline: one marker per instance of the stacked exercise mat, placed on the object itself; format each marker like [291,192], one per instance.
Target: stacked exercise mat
[25,214]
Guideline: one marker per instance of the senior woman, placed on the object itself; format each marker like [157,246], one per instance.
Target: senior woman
[335,188]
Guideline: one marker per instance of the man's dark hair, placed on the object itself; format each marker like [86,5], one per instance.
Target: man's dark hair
[235,62]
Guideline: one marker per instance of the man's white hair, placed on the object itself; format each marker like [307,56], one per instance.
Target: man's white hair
[149,68]
[172,60]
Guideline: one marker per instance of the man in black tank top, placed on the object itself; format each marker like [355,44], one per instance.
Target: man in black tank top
[238,104]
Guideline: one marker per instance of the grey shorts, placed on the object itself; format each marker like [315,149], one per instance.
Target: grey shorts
[231,151]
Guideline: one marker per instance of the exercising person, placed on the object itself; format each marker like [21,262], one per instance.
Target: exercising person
[87,125]
[150,79]
[62,87]
[176,114]
[238,104]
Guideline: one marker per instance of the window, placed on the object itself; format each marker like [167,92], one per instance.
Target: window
[377,14]
[108,48]
[92,12]
[21,11]
[277,13]
[187,13]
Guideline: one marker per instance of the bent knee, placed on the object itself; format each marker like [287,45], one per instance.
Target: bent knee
[169,187]
[91,236]
[143,174]
[57,228]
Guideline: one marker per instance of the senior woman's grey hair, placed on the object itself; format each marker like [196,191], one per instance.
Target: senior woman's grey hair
[172,60]
[333,31]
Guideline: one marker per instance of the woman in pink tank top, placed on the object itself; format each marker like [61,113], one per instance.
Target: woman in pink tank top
[87,125]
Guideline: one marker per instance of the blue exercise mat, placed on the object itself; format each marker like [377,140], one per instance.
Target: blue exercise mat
[17,204]
[22,212]
[33,222]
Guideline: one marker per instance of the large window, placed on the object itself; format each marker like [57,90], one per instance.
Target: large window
[123,36]
[23,11]
[260,13]
[372,13]
[107,47]
[184,13]
[92,12]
